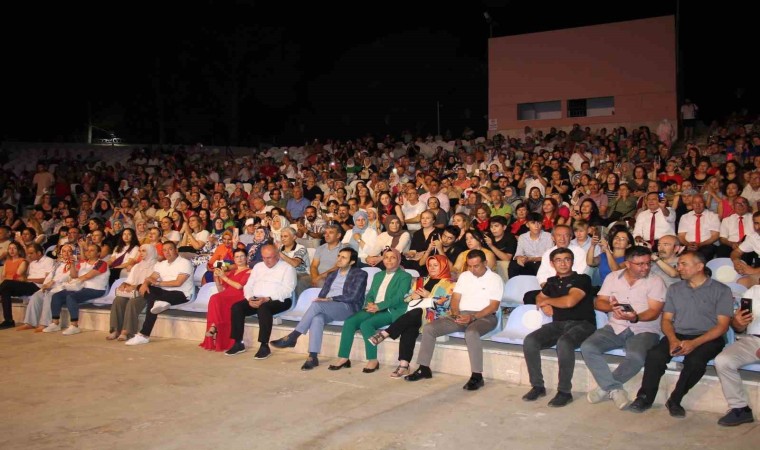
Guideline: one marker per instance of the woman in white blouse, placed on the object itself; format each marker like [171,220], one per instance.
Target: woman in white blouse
[194,237]
[392,237]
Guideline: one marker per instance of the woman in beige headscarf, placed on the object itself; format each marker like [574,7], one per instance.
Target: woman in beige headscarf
[127,292]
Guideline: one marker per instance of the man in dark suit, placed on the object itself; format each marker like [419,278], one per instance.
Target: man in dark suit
[341,297]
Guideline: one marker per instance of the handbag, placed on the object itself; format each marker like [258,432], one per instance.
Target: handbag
[421,303]
[73,285]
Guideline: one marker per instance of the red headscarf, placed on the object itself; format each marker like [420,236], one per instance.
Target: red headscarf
[443,261]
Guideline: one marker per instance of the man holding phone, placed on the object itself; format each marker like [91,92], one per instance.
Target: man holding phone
[695,318]
[634,297]
[746,350]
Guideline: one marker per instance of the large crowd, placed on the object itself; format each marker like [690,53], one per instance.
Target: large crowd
[414,236]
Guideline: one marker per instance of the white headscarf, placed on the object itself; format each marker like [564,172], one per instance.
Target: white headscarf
[144,268]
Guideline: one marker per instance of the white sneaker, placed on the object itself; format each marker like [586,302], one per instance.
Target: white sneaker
[620,398]
[139,339]
[52,328]
[598,395]
[71,330]
[160,306]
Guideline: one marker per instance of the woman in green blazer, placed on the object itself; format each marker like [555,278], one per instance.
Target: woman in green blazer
[383,304]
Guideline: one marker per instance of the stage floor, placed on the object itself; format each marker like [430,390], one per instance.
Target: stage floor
[88,393]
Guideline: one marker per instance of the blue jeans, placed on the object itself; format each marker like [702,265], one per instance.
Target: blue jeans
[604,340]
[317,316]
[567,335]
[72,299]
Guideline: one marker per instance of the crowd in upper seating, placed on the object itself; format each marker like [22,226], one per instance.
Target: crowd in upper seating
[583,211]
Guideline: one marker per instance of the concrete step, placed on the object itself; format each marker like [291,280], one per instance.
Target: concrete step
[501,361]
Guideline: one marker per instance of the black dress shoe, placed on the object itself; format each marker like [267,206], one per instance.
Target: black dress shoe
[473,384]
[561,399]
[737,416]
[368,370]
[639,405]
[346,364]
[236,349]
[284,342]
[7,324]
[675,409]
[534,394]
[419,374]
[310,364]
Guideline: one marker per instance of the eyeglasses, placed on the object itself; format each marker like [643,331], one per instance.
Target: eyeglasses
[641,264]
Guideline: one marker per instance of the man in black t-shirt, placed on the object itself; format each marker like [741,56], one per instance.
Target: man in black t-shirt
[568,298]
[502,244]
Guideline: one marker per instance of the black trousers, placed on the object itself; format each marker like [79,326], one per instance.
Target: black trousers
[156,294]
[265,312]
[408,328]
[530,268]
[13,288]
[694,366]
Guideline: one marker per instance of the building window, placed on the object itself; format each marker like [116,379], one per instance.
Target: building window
[591,107]
[539,110]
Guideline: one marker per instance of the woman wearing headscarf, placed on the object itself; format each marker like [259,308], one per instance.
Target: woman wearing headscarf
[128,292]
[223,253]
[383,304]
[278,224]
[361,238]
[260,239]
[430,300]
[229,284]
[392,237]
[373,220]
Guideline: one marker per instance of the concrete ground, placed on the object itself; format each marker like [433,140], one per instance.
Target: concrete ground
[85,392]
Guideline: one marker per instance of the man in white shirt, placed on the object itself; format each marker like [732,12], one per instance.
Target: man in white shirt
[39,268]
[269,291]
[699,229]
[562,235]
[170,284]
[655,222]
[474,305]
[434,190]
[734,228]
[752,191]
[750,275]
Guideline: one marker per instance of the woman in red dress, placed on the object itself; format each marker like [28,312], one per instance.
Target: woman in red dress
[230,285]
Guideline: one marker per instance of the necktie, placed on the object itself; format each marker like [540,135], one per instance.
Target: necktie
[741,228]
[651,229]
[697,231]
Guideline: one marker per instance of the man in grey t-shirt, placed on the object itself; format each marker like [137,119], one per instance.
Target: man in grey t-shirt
[696,315]
[326,255]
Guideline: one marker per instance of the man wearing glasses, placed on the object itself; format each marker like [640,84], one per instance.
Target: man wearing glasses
[634,297]
[568,298]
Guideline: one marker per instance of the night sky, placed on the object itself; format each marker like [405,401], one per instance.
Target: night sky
[315,71]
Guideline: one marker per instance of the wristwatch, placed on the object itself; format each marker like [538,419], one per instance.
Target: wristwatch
[636,320]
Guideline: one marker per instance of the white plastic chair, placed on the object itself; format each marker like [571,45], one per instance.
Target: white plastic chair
[413,273]
[516,287]
[522,321]
[108,298]
[247,187]
[304,301]
[311,252]
[723,270]
[371,272]
[200,305]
